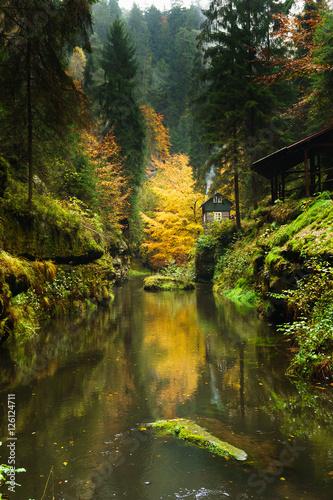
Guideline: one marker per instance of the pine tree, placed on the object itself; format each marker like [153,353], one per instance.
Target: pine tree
[138,30]
[233,104]
[40,100]
[321,80]
[117,98]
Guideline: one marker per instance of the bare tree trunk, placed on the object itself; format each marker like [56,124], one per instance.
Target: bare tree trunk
[29,105]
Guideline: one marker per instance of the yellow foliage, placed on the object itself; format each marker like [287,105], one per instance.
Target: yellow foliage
[77,64]
[173,227]
[158,138]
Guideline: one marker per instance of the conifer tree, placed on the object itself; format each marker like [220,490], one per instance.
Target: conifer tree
[39,98]
[119,108]
[233,105]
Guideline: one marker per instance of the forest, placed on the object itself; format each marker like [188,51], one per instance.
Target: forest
[116,124]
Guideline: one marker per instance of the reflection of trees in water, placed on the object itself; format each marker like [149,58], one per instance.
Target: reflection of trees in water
[240,358]
[62,339]
[306,411]
[173,349]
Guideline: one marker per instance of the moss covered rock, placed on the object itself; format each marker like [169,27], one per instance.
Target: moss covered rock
[193,433]
[160,282]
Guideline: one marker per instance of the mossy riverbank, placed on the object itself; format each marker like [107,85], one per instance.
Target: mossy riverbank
[282,263]
[55,257]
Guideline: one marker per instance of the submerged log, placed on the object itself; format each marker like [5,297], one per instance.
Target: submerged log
[193,433]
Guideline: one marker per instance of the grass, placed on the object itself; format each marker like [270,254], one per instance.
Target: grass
[242,296]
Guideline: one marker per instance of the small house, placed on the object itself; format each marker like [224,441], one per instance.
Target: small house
[215,208]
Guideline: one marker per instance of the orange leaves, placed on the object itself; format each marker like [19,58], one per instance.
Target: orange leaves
[298,34]
[112,185]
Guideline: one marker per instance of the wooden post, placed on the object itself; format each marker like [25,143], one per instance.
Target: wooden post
[312,172]
[306,169]
[283,186]
[272,190]
[320,187]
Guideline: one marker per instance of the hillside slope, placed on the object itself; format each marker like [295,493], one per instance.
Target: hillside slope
[283,262]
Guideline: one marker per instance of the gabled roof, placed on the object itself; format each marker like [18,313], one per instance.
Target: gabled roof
[288,157]
[210,206]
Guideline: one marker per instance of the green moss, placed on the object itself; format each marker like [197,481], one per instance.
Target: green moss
[34,291]
[244,296]
[275,263]
[193,433]
[159,282]
[51,229]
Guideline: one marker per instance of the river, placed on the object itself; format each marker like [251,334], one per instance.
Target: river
[84,388]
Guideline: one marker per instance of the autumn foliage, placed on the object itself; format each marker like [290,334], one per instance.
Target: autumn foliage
[157,135]
[296,32]
[112,185]
[174,225]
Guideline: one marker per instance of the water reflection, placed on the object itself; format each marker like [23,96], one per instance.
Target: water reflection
[83,387]
[173,351]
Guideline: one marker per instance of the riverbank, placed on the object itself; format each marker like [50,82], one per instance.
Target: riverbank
[55,257]
[281,262]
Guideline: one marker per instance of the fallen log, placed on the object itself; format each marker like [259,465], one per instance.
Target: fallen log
[193,433]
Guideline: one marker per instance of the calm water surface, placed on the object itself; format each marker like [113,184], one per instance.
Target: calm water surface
[84,389]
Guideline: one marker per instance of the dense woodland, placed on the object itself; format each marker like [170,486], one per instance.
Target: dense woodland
[224,86]
[116,123]
[92,97]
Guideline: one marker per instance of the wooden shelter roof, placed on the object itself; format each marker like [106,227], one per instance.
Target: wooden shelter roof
[288,157]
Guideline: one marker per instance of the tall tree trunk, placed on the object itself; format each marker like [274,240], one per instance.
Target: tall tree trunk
[29,106]
[238,222]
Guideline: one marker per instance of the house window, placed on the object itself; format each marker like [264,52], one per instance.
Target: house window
[221,215]
[217,199]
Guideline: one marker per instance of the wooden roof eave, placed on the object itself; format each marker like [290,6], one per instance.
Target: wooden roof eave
[286,158]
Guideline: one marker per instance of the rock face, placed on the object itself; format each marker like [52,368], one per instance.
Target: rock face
[38,236]
[205,265]
[64,263]
[193,433]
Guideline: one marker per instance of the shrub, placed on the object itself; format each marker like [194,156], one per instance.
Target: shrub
[233,265]
[184,272]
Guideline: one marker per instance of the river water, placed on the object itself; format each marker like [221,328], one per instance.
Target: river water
[83,390]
